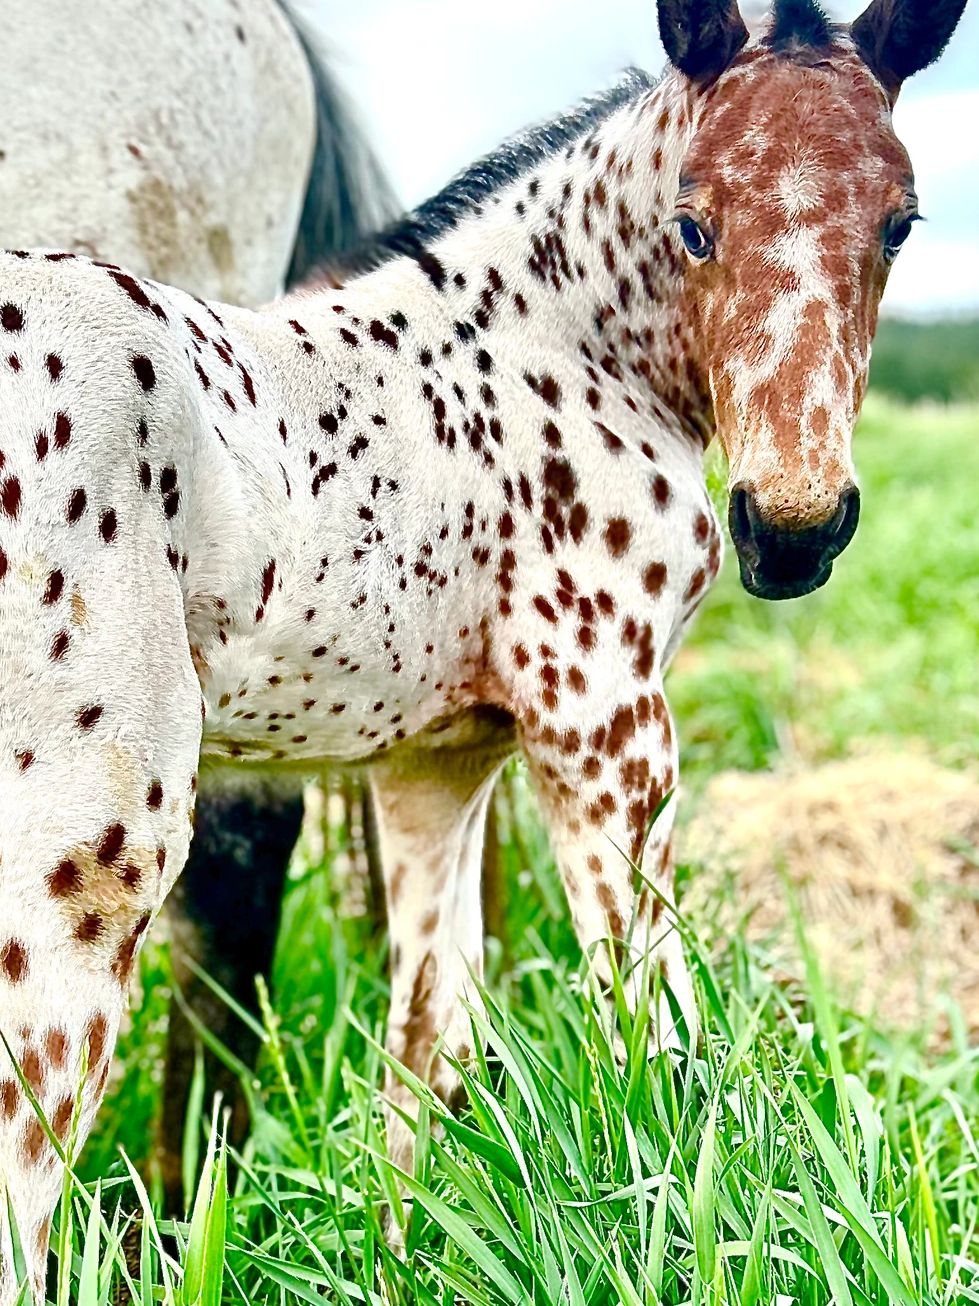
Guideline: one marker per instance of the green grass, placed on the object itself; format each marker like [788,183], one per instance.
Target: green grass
[797,1155]
[927,360]
[890,647]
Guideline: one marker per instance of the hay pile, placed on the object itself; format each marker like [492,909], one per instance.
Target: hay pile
[882,851]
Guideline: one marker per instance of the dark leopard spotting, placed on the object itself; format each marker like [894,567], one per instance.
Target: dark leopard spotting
[452,507]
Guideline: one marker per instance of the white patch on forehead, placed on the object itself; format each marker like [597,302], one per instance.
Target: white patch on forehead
[798,188]
[823,410]
[796,248]
[745,153]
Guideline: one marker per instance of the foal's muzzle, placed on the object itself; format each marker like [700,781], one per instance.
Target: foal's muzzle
[780,563]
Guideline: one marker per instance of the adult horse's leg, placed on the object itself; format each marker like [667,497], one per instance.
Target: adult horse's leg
[431,810]
[225,912]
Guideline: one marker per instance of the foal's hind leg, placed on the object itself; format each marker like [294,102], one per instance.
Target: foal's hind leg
[431,810]
[225,913]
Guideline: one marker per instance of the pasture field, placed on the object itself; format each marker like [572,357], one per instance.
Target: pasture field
[798,1154]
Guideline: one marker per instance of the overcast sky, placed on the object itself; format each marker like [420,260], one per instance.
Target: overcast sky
[438,82]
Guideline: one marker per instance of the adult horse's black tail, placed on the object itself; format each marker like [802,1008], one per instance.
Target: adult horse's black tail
[348,197]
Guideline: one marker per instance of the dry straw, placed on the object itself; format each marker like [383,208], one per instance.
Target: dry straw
[882,852]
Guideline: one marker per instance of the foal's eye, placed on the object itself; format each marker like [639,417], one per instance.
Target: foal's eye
[896,235]
[696,241]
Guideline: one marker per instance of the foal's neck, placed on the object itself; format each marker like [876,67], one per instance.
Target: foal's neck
[573,255]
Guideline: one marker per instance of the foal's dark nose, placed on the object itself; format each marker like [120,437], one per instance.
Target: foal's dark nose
[780,563]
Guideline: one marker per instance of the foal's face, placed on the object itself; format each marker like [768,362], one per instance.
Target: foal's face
[794,199]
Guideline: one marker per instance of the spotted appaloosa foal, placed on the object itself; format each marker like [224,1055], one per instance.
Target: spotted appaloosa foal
[453,507]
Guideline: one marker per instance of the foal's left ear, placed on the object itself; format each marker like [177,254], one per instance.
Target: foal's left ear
[897,38]
[701,37]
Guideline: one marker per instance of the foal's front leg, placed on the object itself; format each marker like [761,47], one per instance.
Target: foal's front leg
[601,781]
[431,812]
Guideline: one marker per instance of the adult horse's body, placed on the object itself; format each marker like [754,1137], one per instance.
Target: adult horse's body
[178,140]
[454,506]
[206,145]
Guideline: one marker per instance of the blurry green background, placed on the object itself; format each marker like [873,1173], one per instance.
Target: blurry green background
[922,360]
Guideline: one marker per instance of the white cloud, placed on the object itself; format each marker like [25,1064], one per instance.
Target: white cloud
[440,82]
[939,268]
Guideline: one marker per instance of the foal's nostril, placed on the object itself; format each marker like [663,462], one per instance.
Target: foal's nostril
[838,517]
[740,516]
[845,520]
[852,507]
[756,522]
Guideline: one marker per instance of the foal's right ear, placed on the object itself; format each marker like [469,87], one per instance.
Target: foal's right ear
[701,36]
[897,38]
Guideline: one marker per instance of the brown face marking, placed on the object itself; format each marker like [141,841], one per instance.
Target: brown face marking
[794,210]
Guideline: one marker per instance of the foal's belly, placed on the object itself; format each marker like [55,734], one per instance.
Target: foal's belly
[336,720]
[485,728]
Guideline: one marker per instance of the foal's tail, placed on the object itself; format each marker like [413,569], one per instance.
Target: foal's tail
[348,197]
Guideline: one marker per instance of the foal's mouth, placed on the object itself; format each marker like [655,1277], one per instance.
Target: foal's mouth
[779,563]
[759,587]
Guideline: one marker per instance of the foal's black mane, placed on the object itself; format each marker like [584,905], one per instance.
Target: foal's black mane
[799,25]
[414,233]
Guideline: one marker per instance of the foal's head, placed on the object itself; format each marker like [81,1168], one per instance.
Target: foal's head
[795,197]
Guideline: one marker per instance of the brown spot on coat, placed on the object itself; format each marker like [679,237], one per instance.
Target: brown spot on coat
[13,960]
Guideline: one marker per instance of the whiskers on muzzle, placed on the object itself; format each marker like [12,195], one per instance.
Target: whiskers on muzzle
[779,562]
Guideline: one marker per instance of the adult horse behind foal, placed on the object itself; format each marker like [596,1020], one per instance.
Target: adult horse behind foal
[454,507]
[205,145]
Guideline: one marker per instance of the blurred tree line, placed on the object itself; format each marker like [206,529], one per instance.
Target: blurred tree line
[916,361]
